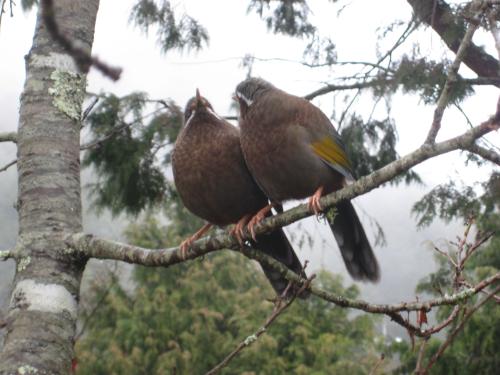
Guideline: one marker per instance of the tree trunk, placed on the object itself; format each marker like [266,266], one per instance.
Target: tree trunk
[44,301]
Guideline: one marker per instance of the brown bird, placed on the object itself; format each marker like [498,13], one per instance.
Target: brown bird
[214,183]
[293,152]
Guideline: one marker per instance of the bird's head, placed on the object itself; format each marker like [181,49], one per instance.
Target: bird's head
[250,90]
[196,105]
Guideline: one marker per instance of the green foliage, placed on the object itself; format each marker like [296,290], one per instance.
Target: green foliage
[371,145]
[449,201]
[124,152]
[284,17]
[187,318]
[172,31]
[427,78]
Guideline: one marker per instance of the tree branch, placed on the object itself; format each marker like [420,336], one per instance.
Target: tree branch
[82,58]
[485,153]
[103,249]
[363,84]
[451,78]
[8,165]
[439,15]
[8,137]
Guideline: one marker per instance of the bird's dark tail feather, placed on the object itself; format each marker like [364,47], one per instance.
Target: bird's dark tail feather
[358,255]
[277,245]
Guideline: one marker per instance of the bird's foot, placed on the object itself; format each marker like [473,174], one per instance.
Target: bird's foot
[186,244]
[237,230]
[258,217]
[314,204]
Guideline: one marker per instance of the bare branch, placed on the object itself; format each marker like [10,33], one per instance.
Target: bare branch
[485,153]
[364,84]
[450,80]
[8,165]
[280,306]
[439,15]
[82,58]
[8,137]
[378,364]
[421,352]
[458,329]
[353,86]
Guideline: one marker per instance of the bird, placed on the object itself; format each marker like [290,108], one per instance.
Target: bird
[214,183]
[293,151]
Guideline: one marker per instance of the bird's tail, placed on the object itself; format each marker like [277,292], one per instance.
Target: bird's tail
[356,251]
[277,246]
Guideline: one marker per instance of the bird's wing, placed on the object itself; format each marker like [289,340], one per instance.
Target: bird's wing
[331,151]
[325,142]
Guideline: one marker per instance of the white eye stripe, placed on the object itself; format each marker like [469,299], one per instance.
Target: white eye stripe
[190,118]
[244,98]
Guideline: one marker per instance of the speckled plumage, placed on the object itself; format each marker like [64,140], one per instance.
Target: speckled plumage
[214,183]
[278,134]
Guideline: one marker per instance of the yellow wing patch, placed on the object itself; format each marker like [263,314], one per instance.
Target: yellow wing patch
[332,153]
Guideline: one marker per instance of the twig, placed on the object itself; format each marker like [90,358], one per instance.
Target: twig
[116,130]
[378,364]
[8,165]
[8,137]
[83,59]
[353,86]
[90,107]
[280,306]
[97,305]
[458,329]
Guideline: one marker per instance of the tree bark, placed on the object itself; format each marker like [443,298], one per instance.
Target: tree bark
[41,321]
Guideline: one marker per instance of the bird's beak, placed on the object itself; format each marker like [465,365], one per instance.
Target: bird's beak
[199,102]
[235,97]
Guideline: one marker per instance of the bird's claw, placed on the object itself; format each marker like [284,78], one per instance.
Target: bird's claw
[313,203]
[238,229]
[184,247]
[253,222]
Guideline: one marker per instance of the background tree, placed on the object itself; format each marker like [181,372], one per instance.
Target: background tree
[51,252]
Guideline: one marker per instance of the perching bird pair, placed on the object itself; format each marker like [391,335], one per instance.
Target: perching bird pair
[285,148]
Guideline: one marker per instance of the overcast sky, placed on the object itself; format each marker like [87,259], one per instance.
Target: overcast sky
[217,70]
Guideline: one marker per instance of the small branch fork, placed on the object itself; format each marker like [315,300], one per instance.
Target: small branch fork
[464,252]
[280,305]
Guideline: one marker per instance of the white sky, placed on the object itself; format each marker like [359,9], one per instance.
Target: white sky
[216,71]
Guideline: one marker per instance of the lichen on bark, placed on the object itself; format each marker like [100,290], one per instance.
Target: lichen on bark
[68,92]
